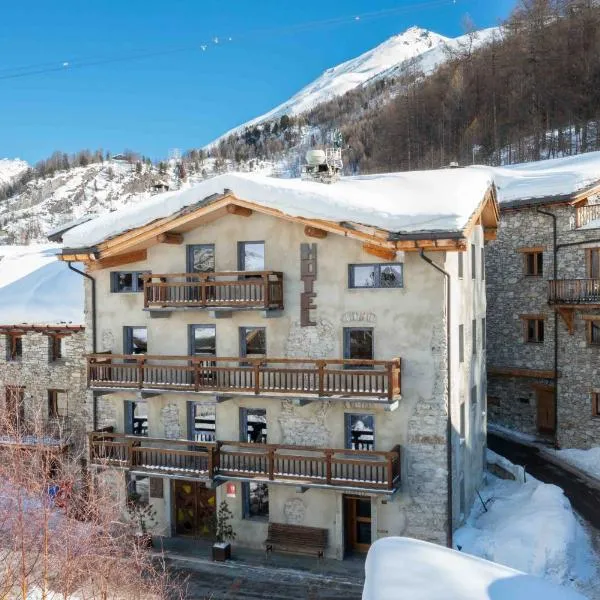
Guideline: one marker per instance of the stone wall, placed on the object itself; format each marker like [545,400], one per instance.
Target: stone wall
[37,374]
[510,294]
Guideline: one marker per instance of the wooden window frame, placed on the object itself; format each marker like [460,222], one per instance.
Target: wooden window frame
[538,270]
[588,261]
[590,323]
[525,324]
[135,287]
[11,347]
[595,395]
[56,349]
[377,270]
[53,409]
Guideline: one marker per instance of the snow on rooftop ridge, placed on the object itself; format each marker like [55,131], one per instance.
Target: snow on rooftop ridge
[37,289]
[553,177]
[411,202]
[407,568]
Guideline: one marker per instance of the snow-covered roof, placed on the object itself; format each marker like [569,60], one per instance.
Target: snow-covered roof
[37,289]
[55,234]
[411,202]
[546,179]
[408,568]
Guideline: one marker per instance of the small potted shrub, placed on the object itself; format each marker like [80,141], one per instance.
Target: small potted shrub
[222,533]
[144,516]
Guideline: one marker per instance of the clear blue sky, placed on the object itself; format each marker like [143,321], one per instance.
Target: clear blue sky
[187,98]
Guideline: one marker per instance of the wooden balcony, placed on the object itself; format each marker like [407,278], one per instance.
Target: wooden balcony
[301,465]
[584,215]
[572,292]
[233,290]
[50,435]
[375,379]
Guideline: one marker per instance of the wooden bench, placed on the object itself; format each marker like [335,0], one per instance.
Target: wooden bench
[296,539]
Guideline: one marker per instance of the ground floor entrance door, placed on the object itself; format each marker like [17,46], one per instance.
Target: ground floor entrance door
[357,523]
[194,508]
[545,409]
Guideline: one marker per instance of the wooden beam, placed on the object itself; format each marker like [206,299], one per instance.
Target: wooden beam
[117,261]
[240,211]
[489,234]
[314,232]
[379,252]
[75,257]
[170,238]
[449,245]
[533,373]
[568,316]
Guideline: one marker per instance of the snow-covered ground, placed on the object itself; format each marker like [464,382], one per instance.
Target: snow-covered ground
[402,568]
[531,527]
[10,169]
[586,460]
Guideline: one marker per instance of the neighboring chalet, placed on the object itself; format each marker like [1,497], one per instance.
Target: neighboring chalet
[42,350]
[293,347]
[544,301]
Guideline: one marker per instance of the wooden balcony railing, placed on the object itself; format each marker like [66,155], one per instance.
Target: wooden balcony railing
[51,433]
[269,462]
[269,376]
[574,291]
[227,289]
[586,214]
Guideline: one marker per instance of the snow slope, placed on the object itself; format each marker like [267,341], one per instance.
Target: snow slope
[402,568]
[37,289]
[586,460]
[441,200]
[531,527]
[417,48]
[10,169]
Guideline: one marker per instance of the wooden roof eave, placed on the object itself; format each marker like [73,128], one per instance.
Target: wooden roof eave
[583,196]
[487,214]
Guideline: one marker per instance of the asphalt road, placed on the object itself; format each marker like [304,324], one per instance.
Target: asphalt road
[584,496]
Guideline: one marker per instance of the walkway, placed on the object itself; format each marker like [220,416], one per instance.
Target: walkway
[583,493]
[252,574]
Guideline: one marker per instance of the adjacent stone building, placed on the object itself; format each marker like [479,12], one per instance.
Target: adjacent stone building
[312,354]
[42,350]
[544,302]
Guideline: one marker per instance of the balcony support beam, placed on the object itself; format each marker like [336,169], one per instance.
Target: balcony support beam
[240,211]
[568,316]
[170,238]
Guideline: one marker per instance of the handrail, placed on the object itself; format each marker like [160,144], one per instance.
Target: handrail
[587,213]
[210,274]
[575,291]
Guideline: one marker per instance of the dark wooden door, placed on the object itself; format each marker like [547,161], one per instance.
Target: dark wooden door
[194,508]
[545,410]
[357,522]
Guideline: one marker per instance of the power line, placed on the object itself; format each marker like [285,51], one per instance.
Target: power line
[67,65]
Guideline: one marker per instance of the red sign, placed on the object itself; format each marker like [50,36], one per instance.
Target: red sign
[230,490]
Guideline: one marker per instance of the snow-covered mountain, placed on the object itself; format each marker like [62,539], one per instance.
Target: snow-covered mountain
[10,169]
[416,48]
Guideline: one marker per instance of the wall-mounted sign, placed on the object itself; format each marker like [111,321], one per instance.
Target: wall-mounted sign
[230,490]
[308,274]
[366,317]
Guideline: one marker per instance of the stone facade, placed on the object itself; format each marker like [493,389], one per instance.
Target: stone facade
[38,374]
[513,294]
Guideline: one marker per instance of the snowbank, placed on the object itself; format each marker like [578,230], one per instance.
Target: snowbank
[441,200]
[530,527]
[586,460]
[399,568]
[37,289]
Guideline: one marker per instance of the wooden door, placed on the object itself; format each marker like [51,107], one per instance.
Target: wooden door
[194,508]
[357,523]
[545,410]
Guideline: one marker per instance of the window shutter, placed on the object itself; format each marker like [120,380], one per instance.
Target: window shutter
[347,430]
[190,420]
[243,424]
[128,417]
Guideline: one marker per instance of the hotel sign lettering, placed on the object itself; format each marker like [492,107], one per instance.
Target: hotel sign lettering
[308,274]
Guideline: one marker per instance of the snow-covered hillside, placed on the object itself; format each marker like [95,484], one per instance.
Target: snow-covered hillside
[416,48]
[10,169]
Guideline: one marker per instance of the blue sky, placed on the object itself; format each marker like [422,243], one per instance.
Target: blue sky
[187,97]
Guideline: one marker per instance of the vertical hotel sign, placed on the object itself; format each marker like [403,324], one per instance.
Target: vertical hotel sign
[308,274]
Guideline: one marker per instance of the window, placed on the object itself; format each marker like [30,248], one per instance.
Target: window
[56,343]
[533,263]
[533,329]
[135,340]
[473,399]
[14,405]
[253,342]
[483,335]
[251,256]
[256,500]
[462,420]
[592,256]
[358,343]
[136,418]
[482,264]
[201,258]
[360,432]
[127,281]
[461,265]
[593,332]
[474,333]
[202,422]
[253,425]
[203,340]
[14,346]
[461,343]
[139,488]
[596,404]
[377,275]
[473,261]
[57,404]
